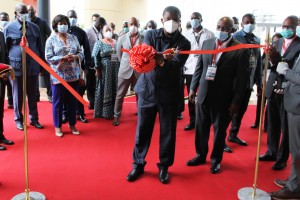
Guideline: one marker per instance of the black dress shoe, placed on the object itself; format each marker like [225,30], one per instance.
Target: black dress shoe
[2,148]
[116,121]
[235,139]
[82,119]
[163,176]
[10,106]
[281,183]
[37,125]
[227,148]
[279,165]
[267,157]
[7,142]
[50,99]
[91,106]
[189,127]
[64,119]
[254,126]
[134,174]
[20,126]
[179,116]
[196,161]
[215,168]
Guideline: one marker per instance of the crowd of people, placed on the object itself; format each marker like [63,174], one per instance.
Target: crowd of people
[219,85]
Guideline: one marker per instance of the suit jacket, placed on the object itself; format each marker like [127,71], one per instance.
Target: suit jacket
[231,77]
[290,55]
[162,85]
[125,71]
[3,50]
[292,90]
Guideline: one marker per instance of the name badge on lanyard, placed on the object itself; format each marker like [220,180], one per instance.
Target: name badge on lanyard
[211,72]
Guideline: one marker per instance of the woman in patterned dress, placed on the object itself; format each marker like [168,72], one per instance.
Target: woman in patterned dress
[64,55]
[107,67]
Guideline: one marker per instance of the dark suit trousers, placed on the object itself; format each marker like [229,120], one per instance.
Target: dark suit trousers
[277,123]
[61,95]
[9,93]
[192,111]
[79,106]
[237,118]
[294,138]
[181,95]
[17,89]
[146,121]
[91,85]
[258,108]
[46,75]
[207,115]
[2,96]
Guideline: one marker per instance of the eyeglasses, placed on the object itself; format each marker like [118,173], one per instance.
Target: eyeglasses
[224,28]
[287,27]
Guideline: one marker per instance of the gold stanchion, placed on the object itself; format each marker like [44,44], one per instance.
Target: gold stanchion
[27,195]
[253,193]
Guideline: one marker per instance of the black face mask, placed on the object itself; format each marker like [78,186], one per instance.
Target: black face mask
[31,14]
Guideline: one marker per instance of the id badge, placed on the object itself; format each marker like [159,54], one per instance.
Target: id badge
[114,57]
[211,72]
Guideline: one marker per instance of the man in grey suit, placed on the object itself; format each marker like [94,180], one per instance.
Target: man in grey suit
[127,76]
[221,80]
[291,187]
[285,49]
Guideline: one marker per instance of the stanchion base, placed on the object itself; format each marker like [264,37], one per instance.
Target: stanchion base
[247,194]
[32,195]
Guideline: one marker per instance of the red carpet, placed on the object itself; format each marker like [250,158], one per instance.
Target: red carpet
[94,165]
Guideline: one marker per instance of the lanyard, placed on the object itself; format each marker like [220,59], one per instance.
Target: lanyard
[197,38]
[133,40]
[96,33]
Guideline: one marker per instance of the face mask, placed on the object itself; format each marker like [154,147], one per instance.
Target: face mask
[73,21]
[195,23]
[171,26]
[23,16]
[133,29]
[3,23]
[125,29]
[287,33]
[249,28]
[62,28]
[298,31]
[108,34]
[236,26]
[221,35]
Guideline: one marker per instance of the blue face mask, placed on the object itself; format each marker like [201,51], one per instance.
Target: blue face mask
[125,29]
[195,23]
[249,28]
[221,35]
[62,28]
[287,33]
[24,16]
[73,21]
[298,31]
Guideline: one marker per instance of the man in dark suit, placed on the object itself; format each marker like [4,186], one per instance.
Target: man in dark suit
[158,93]
[291,187]
[285,49]
[3,79]
[221,80]
[13,34]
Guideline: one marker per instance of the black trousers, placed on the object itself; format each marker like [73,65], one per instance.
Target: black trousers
[9,92]
[207,115]
[46,75]
[146,121]
[258,108]
[90,85]
[277,124]
[181,94]
[237,118]
[2,96]
[191,106]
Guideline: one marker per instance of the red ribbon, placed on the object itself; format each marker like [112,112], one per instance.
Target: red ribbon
[51,71]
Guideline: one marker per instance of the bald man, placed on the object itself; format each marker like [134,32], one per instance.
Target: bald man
[222,80]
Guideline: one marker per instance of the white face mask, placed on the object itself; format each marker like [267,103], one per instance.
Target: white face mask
[3,23]
[73,21]
[249,28]
[133,29]
[171,26]
[236,26]
[108,34]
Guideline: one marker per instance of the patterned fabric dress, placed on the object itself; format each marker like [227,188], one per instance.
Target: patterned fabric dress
[106,86]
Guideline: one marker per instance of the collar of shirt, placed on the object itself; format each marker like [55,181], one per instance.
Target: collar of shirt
[161,34]
[224,44]
[199,33]
[287,41]
[20,25]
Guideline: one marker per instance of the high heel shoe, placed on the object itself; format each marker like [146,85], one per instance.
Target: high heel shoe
[74,130]
[58,132]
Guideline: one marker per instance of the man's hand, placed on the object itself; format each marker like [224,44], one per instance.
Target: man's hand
[159,58]
[192,96]
[233,109]
[258,90]
[169,56]
[282,67]
[98,73]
